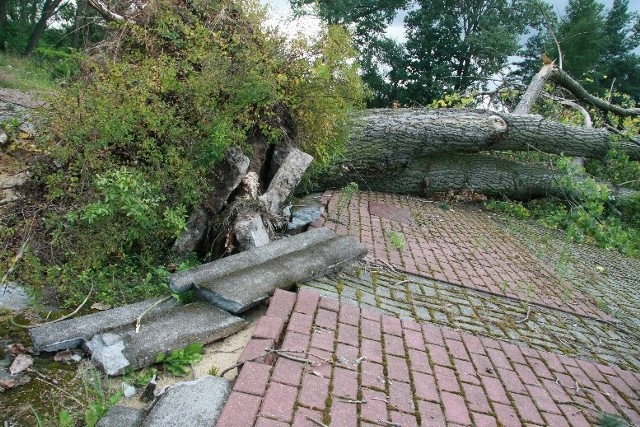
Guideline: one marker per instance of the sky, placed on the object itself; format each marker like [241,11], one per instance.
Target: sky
[280,13]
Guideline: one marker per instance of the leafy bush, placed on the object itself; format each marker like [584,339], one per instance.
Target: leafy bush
[179,361]
[131,144]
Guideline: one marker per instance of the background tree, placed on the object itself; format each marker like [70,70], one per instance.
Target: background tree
[597,46]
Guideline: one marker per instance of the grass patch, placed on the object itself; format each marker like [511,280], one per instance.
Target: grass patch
[21,73]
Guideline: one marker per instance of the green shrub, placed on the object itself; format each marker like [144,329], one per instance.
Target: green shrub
[131,144]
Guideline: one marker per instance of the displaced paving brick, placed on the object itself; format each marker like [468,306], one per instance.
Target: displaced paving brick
[269,327]
[239,410]
[253,378]
[281,304]
[279,402]
[543,400]
[466,371]
[456,349]
[495,390]
[414,339]
[300,323]
[419,361]
[370,329]
[314,391]
[287,371]
[306,302]
[511,381]
[255,348]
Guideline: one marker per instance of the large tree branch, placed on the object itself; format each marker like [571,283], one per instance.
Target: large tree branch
[105,12]
[564,80]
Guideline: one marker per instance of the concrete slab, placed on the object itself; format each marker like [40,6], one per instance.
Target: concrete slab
[241,290]
[184,280]
[122,416]
[121,348]
[74,332]
[13,297]
[195,404]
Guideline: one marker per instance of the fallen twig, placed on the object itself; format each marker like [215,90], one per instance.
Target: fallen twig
[148,309]
[525,317]
[351,401]
[73,313]
[316,422]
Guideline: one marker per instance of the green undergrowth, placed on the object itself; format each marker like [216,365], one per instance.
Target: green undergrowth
[131,143]
[590,213]
[42,72]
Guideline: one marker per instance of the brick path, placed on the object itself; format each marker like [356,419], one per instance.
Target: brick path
[459,246]
[345,366]
[479,313]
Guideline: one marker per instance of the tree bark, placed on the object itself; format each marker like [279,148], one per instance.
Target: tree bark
[48,10]
[422,152]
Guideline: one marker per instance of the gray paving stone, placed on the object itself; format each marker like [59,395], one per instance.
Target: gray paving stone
[240,290]
[184,280]
[118,349]
[122,416]
[195,404]
[74,332]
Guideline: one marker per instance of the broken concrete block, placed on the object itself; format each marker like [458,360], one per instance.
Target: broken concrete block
[122,416]
[228,175]
[195,404]
[184,280]
[303,217]
[13,297]
[123,347]
[72,333]
[285,180]
[250,231]
[243,289]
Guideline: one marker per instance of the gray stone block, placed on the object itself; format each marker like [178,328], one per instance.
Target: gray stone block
[195,404]
[184,280]
[241,290]
[120,348]
[74,332]
[122,416]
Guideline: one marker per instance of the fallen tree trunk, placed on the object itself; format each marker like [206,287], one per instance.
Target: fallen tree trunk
[422,152]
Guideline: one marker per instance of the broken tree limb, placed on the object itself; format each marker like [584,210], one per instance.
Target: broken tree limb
[576,89]
[285,180]
[534,90]
[105,12]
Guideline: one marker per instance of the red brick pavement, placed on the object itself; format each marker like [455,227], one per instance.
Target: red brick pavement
[459,246]
[409,374]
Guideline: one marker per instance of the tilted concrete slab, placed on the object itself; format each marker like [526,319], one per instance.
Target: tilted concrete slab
[243,289]
[195,404]
[118,349]
[184,280]
[122,416]
[74,332]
